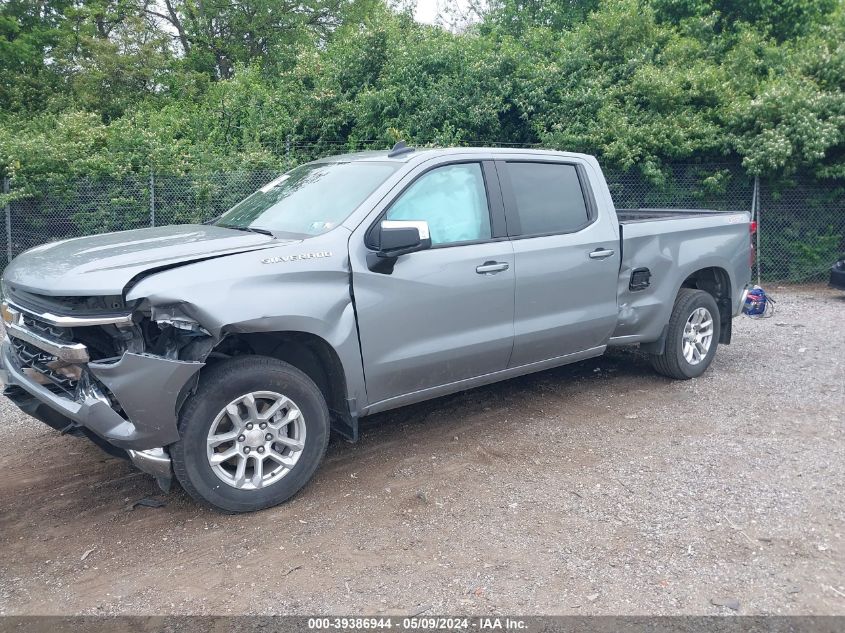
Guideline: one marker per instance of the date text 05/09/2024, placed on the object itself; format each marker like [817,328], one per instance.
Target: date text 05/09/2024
[418,623]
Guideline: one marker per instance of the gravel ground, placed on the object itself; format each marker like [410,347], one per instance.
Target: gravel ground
[598,488]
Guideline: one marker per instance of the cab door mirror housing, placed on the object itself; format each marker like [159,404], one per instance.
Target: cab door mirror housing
[401,237]
[394,238]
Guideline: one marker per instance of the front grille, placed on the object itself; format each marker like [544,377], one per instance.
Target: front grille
[70,306]
[52,348]
[45,329]
[40,361]
[99,343]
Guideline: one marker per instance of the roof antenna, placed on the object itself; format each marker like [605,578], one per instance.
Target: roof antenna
[399,149]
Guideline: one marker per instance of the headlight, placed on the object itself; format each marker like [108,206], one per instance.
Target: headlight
[174,317]
[188,326]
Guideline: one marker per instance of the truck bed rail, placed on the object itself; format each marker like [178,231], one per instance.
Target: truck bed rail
[626,216]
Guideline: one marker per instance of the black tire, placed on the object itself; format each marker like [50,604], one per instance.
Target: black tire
[218,386]
[671,362]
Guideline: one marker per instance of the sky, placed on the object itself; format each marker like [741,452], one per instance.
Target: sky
[427,10]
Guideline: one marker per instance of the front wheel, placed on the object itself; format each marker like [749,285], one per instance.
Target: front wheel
[691,338]
[251,436]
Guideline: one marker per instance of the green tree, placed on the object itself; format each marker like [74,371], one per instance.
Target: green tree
[780,18]
[215,35]
[514,17]
[29,32]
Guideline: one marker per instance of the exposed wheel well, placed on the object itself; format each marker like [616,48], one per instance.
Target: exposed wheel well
[307,352]
[717,283]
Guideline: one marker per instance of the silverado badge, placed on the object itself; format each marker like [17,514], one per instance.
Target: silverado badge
[296,258]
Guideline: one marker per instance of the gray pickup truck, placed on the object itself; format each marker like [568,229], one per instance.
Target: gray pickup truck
[225,353]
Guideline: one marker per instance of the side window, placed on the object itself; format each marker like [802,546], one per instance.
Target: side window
[548,198]
[452,199]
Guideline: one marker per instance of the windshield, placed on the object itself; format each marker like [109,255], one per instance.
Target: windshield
[308,200]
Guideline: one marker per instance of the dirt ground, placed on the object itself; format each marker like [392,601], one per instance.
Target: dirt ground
[598,488]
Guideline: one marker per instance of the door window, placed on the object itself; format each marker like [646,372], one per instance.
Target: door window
[452,199]
[548,198]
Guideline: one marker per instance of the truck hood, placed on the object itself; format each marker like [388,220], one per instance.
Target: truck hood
[102,265]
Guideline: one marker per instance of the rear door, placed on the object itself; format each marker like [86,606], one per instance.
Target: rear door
[567,260]
[445,314]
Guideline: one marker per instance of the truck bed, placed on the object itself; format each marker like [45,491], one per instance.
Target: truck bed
[626,216]
[666,245]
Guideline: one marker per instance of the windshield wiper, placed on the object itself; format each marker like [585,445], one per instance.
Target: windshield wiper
[250,229]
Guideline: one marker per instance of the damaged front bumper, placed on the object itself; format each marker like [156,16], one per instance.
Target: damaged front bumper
[127,406]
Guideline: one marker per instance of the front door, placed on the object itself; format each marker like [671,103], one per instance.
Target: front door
[445,314]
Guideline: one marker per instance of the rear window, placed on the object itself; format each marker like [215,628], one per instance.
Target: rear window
[548,198]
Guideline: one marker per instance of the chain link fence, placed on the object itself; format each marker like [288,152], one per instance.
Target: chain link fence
[801,220]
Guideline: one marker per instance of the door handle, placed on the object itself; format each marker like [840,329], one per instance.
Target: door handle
[491,268]
[601,253]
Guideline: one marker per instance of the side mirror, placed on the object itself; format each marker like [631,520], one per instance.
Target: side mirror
[395,238]
[400,237]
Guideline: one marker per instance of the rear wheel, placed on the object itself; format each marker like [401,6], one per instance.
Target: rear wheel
[251,436]
[692,336]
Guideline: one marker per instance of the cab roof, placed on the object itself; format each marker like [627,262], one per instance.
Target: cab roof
[411,153]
